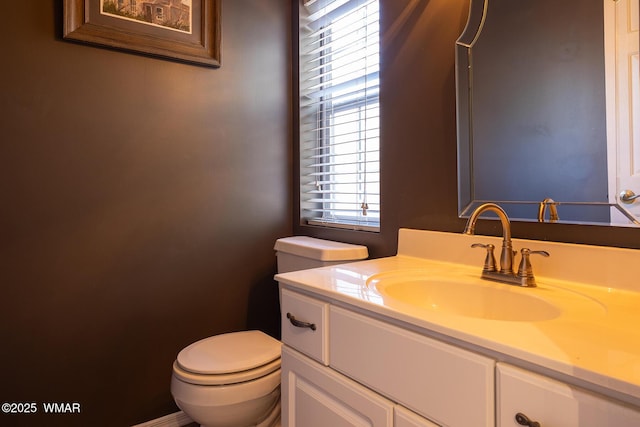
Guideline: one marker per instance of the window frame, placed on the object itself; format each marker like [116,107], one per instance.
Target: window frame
[364,103]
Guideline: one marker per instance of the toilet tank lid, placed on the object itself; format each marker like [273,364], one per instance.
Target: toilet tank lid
[320,249]
[229,353]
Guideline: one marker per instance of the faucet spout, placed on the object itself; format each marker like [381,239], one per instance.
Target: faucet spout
[553,210]
[506,256]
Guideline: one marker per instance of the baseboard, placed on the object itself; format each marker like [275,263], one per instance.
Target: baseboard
[177,419]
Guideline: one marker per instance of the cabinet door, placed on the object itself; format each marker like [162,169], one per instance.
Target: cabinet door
[555,404]
[315,396]
[403,417]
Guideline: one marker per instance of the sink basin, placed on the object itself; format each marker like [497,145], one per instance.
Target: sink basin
[469,298]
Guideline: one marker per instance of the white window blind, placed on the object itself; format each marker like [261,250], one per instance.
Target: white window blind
[339,113]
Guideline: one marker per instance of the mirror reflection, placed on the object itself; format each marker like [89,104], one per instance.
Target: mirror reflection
[548,110]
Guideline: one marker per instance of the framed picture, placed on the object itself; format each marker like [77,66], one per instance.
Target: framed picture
[183,30]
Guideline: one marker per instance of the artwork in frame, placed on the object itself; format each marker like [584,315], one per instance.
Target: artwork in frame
[183,30]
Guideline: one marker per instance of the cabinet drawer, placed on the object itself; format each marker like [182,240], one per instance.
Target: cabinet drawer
[304,324]
[438,381]
[555,404]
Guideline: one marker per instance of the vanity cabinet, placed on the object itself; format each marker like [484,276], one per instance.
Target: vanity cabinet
[373,367]
[555,404]
[356,369]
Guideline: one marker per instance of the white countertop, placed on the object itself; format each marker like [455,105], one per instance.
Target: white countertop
[595,340]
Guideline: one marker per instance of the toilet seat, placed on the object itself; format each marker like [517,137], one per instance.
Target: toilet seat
[225,379]
[228,358]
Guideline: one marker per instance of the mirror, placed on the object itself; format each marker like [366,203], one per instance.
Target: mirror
[546,116]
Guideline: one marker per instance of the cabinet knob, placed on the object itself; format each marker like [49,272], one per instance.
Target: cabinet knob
[523,420]
[299,324]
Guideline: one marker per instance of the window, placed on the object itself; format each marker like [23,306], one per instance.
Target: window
[339,113]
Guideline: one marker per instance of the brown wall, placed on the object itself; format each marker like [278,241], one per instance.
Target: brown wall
[140,200]
[128,226]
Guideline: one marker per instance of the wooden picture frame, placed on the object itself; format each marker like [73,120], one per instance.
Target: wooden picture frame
[183,30]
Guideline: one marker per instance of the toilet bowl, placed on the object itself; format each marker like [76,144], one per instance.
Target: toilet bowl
[233,379]
[229,380]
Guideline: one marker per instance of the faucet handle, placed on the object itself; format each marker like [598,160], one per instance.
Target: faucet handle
[525,271]
[490,259]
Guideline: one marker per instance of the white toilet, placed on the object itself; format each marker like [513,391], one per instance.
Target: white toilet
[233,380]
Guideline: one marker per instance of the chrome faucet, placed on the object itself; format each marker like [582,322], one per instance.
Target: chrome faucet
[506,256]
[524,276]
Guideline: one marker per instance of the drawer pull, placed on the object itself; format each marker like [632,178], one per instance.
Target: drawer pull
[299,324]
[523,420]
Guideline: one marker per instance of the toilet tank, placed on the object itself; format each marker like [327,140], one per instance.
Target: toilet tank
[302,252]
